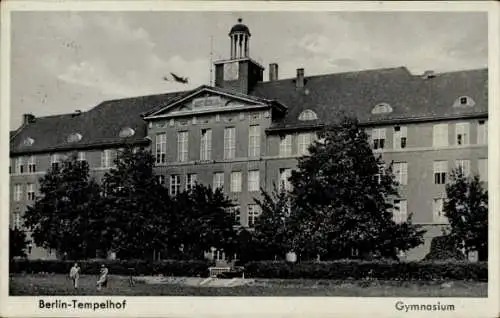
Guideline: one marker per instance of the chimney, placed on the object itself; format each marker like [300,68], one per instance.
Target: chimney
[28,119]
[428,74]
[273,72]
[299,81]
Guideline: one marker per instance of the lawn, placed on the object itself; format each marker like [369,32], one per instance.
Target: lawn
[38,285]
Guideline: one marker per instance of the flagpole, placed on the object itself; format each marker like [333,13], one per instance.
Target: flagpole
[211,59]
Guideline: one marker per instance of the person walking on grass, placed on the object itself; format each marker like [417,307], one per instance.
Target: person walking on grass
[103,278]
[74,274]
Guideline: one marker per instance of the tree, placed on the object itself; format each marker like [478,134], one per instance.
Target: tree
[271,234]
[62,216]
[466,208]
[17,243]
[134,210]
[341,200]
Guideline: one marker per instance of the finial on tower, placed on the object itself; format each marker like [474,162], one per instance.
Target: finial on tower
[240,20]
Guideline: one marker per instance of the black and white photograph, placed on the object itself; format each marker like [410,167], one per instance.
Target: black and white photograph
[237,153]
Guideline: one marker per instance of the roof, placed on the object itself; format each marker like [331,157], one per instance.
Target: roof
[356,93]
[240,27]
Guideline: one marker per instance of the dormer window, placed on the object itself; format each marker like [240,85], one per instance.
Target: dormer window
[464,101]
[76,137]
[126,132]
[308,115]
[382,108]
[28,141]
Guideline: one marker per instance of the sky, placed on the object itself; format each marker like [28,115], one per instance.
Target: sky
[64,61]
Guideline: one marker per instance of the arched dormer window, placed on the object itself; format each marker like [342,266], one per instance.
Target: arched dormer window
[28,141]
[308,115]
[464,101]
[382,108]
[126,132]
[75,137]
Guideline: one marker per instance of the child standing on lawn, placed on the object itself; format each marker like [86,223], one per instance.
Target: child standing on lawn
[103,279]
[74,274]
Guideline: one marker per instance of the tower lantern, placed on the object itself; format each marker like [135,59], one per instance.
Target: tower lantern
[240,40]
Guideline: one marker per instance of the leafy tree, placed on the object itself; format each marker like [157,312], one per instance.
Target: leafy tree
[62,217]
[466,208]
[341,200]
[133,207]
[17,243]
[271,232]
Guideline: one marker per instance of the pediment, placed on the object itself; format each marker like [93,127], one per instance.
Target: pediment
[206,100]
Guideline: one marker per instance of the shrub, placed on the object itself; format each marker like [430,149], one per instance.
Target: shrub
[137,267]
[362,270]
[443,248]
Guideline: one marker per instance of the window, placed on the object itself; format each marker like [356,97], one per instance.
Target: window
[206,144]
[191,180]
[81,156]
[126,132]
[253,180]
[160,179]
[236,213]
[462,134]
[229,143]
[107,160]
[483,169]
[75,137]
[161,148]
[182,146]
[308,115]
[30,191]
[55,159]
[20,165]
[463,165]
[236,181]
[32,164]
[378,138]
[18,192]
[175,185]
[463,100]
[440,135]
[304,141]
[254,141]
[382,108]
[440,172]
[400,137]
[400,214]
[218,180]
[482,132]
[253,214]
[285,175]
[381,172]
[16,222]
[401,172]
[286,146]
[438,213]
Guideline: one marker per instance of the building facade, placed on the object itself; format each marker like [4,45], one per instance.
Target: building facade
[243,133]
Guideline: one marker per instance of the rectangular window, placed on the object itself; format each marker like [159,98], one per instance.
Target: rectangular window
[182,146]
[236,213]
[30,191]
[401,172]
[32,164]
[236,181]
[18,192]
[440,135]
[380,174]
[400,137]
[253,180]
[253,214]
[229,143]
[303,143]
[20,165]
[463,165]
[483,169]
[16,222]
[81,156]
[254,141]
[462,134]
[440,172]
[400,214]
[107,158]
[191,180]
[218,180]
[161,179]
[175,185]
[206,144]
[378,138]
[285,175]
[55,160]
[438,213]
[482,132]
[286,146]
[161,148]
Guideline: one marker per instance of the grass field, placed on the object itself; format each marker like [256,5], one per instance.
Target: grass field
[38,285]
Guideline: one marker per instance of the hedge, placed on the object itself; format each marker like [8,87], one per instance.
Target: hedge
[380,270]
[117,267]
